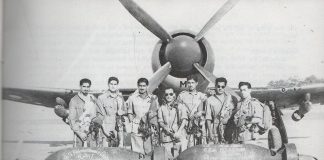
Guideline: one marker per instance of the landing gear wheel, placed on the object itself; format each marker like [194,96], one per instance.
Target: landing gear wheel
[274,139]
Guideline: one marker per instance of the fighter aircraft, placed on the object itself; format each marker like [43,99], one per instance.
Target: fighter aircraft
[176,55]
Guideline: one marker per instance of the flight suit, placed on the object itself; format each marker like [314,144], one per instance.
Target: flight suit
[139,107]
[110,108]
[218,111]
[193,102]
[81,111]
[169,120]
[248,118]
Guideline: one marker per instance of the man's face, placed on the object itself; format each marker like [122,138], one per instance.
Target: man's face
[113,86]
[245,91]
[142,87]
[85,88]
[220,88]
[192,84]
[169,95]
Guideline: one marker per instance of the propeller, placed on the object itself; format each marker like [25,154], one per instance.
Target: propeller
[216,17]
[211,78]
[146,20]
[158,77]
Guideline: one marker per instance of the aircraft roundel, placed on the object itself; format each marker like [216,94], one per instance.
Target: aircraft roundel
[283,90]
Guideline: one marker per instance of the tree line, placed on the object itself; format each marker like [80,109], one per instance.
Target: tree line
[294,82]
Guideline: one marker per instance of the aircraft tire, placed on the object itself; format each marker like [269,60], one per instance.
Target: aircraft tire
[274,139]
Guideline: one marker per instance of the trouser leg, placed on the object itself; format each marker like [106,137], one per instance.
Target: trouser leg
[204,134]
[121,139]
[183,143]
[137,143]
[77,141]
[175,150]
[147,145]
[190,140]
[168,146]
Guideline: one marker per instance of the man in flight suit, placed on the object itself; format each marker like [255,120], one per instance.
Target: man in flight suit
[172,120]
[109,110]
[249,116]
[193,102]
[138,105]
[82,110]
[218,111]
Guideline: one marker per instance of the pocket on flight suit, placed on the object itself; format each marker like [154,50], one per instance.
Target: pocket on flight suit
[135,125]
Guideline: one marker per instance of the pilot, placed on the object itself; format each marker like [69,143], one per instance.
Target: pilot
[249,116]
[110,108]
[82,110]
[218,111]
[138,105]
[193,102]
[172,119]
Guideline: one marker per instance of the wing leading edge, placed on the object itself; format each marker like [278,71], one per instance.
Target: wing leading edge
[284,97]
[47,96]
[287,97]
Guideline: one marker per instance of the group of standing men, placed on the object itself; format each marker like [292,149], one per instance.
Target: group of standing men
[179,122]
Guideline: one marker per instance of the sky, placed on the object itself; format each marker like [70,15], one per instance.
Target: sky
[53,44]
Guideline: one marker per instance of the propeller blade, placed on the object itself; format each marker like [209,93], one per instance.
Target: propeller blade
[158,77]
[216,17]
[146,20]
[211,78]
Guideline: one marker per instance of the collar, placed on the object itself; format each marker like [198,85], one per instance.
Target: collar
[113,95]
[225,95]
[170,106]
[195,92]
[83,97]
[246,100]
[148,95]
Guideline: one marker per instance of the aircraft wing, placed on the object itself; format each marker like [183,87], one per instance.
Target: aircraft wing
[283,97]
[287,97]
[47,96]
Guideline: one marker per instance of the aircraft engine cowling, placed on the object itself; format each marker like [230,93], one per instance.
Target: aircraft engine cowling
[182,52]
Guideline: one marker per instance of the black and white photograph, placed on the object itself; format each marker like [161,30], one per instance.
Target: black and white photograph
[162,80]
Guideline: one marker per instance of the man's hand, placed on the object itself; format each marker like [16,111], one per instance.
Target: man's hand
[169,130]
[222,120]
[120,112]
[241,121]
[177,135]
[197,114]
[82,135]
[144,118]
[194,116]
[256,120]
[248,119]
[97,120]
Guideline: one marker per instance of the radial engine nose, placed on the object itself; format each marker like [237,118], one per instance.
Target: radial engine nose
[182,52]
